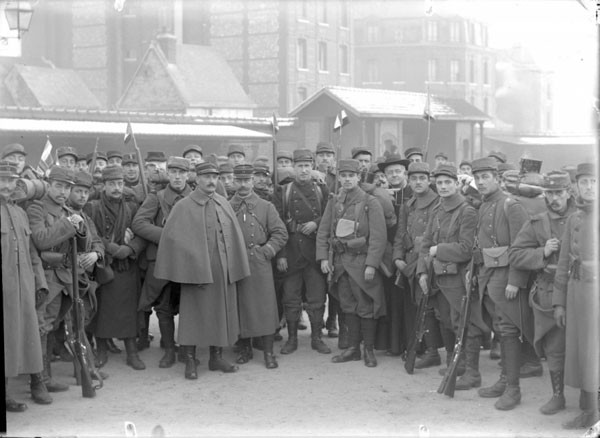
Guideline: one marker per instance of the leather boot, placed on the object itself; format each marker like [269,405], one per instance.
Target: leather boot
[167,337]
[56,345]
[333,309]
[143,340]
[589,416]
[353,351]
[245,353]
[461,367]
[11,404]
[191,363]
[51,384]
[368,326]
[498,388]
[133,360]
[431,357]
[101,352]
[316,324]
[39,392]
[257,343]
[270,360]
[342,332]
[112,347]
[449,339]
[531,365]
[557,402]
[471,378]
[217,363]
[291,344]
[511,397]
[495,352]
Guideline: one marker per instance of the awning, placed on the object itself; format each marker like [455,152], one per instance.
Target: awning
[46,126]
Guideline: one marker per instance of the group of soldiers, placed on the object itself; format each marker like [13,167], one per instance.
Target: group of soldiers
[238,251]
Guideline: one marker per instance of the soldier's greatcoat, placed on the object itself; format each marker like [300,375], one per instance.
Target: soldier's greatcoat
[576,288]
[264,235]
[202,247]
[22,276]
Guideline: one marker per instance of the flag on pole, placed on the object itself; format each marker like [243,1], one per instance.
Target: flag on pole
[341,120]
[128,133]
[274,124]
[46,160]
[427,114]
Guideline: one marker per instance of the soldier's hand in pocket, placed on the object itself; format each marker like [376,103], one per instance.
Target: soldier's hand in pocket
[369,273]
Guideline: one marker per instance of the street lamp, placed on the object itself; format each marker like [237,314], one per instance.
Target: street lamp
[18,16]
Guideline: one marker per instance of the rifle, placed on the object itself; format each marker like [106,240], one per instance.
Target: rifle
[448,383]
[138,155]
[77,341]
[420,330]
[94,157]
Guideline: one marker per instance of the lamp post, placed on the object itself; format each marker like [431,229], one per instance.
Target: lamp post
[18,16]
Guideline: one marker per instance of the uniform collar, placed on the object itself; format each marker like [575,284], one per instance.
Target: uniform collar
[423,201]
[452,202]
[52,207]
[496,196]
[251,200]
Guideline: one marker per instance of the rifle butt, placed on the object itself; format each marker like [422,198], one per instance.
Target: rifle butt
[409,365]
[87,388]
[451,383]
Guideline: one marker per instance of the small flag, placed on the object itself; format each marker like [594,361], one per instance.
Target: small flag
[427,114]
[274,124]
[46,160]
[128,134]
[341,120]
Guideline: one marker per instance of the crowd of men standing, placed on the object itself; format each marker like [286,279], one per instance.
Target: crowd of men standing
[237,251]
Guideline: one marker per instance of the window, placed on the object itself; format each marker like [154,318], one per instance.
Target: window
[432,70]
[372,71]
[471,70]
[455,31]
[322,5]
[344,59]
[344,17]
[302,94]
[486,79]
[372,34]
[323,56]
[432,31]
[304,9]
[455,70]
[302,55]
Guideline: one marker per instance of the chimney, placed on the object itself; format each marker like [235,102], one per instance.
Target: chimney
[168,44]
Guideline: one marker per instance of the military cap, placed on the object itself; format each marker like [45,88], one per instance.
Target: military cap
[243,171]
[285,173]
[324,147]
[441,154]
[503,167]
[260,168]
[414,151]
[129,159]
[285,154]
[192,148]
[465,163]
[62,174]
[236,149]
[261,159]
[571,170]
[360,150]
[114,154]
[556,181]
[485,163]
[178,163]
[84,179]
[585,169]
[100,155]
[225,168]
[82,157]
[206,168]
[500,156]
[8,169]
[393,159]
[303,155]
[511,176]
[66,150]
[156,156]
[446,170]
[349,166]
[112,172]
[418,168]
[13,148]
[533,179]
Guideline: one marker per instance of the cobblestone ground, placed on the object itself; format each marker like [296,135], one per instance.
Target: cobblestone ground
[306,395]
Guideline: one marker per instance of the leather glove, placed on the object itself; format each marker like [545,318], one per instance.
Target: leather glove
[40,297]
[123,252]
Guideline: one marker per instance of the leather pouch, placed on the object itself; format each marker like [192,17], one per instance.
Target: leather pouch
[495,257]
[444,268]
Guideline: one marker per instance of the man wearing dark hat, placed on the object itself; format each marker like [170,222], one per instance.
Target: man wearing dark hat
[414,155]
[364,156]
[536,249]
[499,157]
[118,298]
[226,179]
[261,181]
[358,242]
[24,287]
[325,162]
[52,227]
[66,156]
[236,155]
[193,153]
[148,224]
[82,165]
[15,153]
[447,246]
[285,159]
[115,158]
[412,220]
[265,235]
[155,161]
[131,176]
[101,160]
[465,168]
[301,204]
[502,288]
[575,298]
[441,158]
[202,248]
